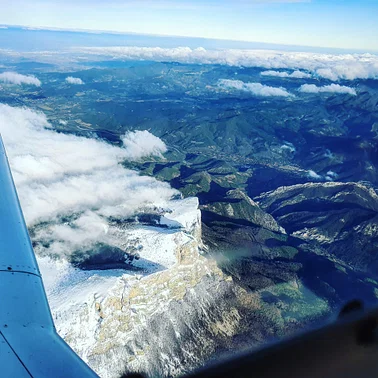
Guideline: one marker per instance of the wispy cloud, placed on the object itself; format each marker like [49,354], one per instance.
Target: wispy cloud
[294,75]
[333,88]
[74,80]
[18,79]
[312,174]
[256,89]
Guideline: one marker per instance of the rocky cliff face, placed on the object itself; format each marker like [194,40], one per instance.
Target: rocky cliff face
[101,312]
[179,317]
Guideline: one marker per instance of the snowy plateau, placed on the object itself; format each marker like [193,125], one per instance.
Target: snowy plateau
[107,316]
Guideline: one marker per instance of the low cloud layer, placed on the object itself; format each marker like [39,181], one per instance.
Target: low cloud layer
[256,89]
[294,75]
[65,176]
[74,80]
[18,79]
[333,88]
[142,143]
[328,66]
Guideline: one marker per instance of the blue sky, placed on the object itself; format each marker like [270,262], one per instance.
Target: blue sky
[328,23]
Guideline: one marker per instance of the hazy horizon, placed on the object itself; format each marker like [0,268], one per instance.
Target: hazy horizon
[337,24]
[101,38]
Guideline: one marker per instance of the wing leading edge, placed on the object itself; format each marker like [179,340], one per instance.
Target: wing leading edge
[29,343]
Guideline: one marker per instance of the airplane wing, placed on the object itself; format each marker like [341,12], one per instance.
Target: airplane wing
[29,343]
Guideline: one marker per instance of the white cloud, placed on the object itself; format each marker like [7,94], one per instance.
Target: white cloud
[312,174]
[59,175]
[16,78]
[295,75]
[256,89]
[142,143]
[333,88]
[328,154]
[329,66]
[74,80]
[288,147]
[330,176]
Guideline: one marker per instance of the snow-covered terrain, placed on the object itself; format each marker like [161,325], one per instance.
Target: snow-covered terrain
[158,245]
[77,297]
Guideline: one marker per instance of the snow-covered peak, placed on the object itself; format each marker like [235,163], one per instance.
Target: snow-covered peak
[77,297]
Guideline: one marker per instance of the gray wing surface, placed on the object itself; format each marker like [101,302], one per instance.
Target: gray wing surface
[29,343]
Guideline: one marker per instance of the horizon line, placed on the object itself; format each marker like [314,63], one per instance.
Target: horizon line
[115,32]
